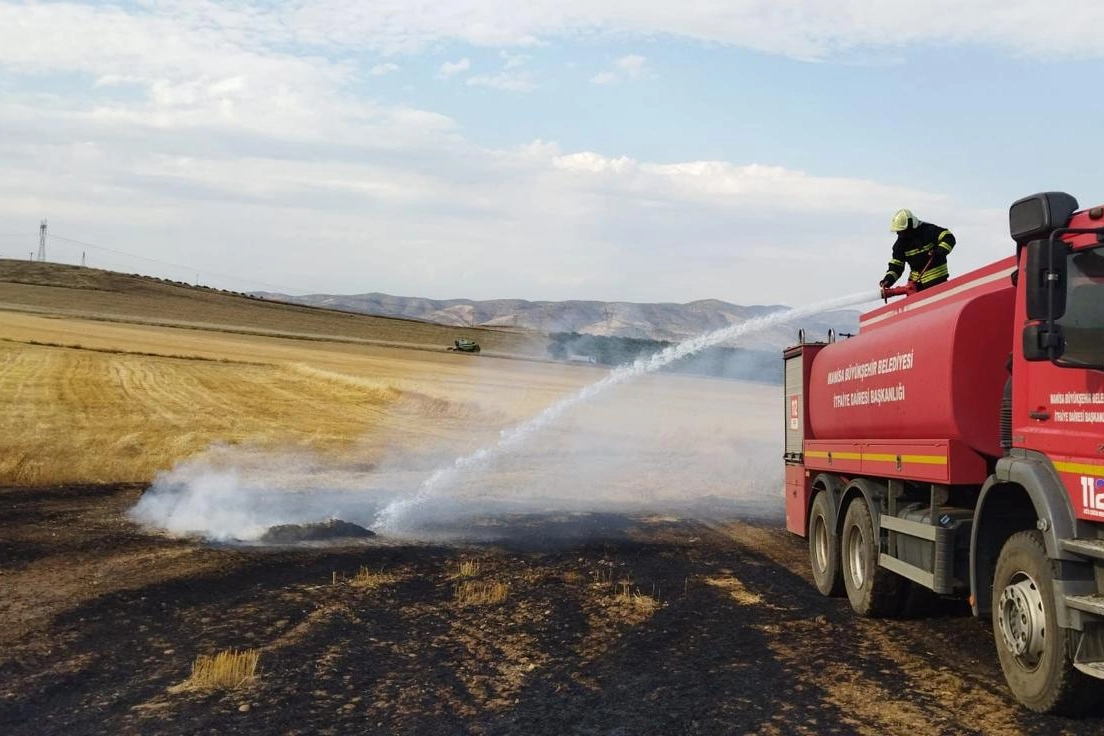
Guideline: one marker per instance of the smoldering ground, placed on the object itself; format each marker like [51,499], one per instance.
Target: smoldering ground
[666,444]
[632,441]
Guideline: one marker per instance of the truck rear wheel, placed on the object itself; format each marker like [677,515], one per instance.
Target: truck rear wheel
[873,591]
[824,551]
[1035,653]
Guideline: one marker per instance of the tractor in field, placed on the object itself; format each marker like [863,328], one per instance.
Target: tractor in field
[465,346]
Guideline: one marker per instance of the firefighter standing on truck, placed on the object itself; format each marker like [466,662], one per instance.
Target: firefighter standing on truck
[923,246]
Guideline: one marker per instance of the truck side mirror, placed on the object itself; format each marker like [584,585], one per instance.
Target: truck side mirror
[1039,215]
[1045,279]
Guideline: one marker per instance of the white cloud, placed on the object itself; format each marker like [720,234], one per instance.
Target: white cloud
[380,70]
[505,81]
[229,139]
[799,28]
[115,80]
[632,66]
[408,218]
[512,61]
[451,68]
[725,184]
[190,39]
[512,77]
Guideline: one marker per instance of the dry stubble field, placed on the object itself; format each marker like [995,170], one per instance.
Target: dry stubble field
[652,592]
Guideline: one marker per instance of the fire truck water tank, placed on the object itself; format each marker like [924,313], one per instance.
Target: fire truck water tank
[936,371]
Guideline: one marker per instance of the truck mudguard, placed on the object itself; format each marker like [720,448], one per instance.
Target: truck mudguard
[832,485]
[872,492]
[1033,472]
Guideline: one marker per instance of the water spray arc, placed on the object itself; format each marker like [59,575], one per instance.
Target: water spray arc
[393,519]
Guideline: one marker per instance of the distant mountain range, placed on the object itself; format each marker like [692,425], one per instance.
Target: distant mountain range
[667,322]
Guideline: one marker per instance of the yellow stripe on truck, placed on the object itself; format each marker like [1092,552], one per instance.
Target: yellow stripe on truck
[884,458]
[847,456]
[1079,468]
[918,459]
[835,455]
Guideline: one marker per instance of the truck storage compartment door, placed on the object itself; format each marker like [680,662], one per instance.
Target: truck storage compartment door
[798,491]
[795,390]
[799,363]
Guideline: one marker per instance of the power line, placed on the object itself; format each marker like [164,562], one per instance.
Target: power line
[121,252]
[193,269]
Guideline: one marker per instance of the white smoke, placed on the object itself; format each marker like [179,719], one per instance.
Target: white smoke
[233,493]
[663,445]
[394,518]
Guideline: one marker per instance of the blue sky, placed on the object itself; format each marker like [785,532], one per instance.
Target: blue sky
[919,116]
[750,151]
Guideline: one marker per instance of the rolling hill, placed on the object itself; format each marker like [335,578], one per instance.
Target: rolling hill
[73,291]
[609,333]
[663,321]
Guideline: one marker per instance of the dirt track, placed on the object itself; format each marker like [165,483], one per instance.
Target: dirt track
[98,621]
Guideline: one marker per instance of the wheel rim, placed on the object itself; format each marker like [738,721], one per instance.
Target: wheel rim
[856,556]
[1022,620]
[820,544]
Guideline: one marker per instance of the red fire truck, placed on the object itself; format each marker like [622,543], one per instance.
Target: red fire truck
[955,446]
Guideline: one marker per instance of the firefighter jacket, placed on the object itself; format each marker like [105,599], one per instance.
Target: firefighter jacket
[925,249]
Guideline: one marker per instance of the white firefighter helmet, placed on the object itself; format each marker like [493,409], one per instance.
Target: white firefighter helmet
[903,220]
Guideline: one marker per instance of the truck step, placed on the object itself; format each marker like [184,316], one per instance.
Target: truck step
[1093,548]
[1088,603]
[1092,669]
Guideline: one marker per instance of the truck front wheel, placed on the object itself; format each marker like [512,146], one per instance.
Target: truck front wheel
[873,591]
[1035,653]
[824,550]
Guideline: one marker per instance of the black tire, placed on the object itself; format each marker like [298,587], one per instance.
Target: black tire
[873,591]
[824,550]
[1035,653]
